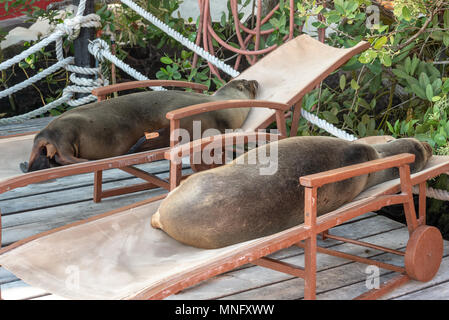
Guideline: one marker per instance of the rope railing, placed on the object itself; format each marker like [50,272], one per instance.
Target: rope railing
[70,28]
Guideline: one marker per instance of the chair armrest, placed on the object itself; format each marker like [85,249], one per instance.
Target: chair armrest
[223,140]
[319,179]
[103,91]
[176,115]
[226,104]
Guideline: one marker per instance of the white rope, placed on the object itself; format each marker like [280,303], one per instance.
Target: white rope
[20,118]
[438,194]
[100,50]
[33,49]
[70,27]
[327,126]
[36,77]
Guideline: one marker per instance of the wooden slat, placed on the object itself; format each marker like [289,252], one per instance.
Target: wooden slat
[280,266]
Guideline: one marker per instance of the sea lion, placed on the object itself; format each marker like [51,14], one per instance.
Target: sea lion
[114,127]
[235,203]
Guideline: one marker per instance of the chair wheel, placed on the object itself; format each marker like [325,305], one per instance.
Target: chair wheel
[424,253]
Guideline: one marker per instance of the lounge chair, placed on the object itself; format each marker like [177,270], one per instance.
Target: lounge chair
[133,260]
[118,255]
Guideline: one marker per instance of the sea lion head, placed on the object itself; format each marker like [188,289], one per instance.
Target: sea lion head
[422,151]
[42,156]
[239,89]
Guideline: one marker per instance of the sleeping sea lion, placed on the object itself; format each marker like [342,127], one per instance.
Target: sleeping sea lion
[112,127]
[234,203]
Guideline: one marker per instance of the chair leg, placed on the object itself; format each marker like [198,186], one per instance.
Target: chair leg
[409,206]
[310,250]
[98,180]
[295,118]
[175,174]
[422,204]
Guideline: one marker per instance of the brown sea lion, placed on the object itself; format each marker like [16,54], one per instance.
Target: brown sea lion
[113,127]
[235,203]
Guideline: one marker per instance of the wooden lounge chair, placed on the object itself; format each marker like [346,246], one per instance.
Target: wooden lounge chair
[118,255]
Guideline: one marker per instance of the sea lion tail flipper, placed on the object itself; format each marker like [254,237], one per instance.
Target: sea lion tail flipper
[67,159]
[137,145]
[151,140]
[156,220]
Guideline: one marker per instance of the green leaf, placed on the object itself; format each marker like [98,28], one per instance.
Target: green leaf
[351,6]
[446,40]
[445,87]
[440,139]
[330,117]
[354,85]
[408,65]
[166,60]
[380,42]
[424,80]
[418,91]
[429,92]
[400,74]
[386,60]
[368,56]
[342,82]
[361,129]
[415,63]
[390,127]
[348,120]
[406,13]
[446,19]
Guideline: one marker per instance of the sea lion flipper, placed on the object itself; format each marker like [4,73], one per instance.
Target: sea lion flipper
[137,145]
[151,140]
[68,159]
[156,220]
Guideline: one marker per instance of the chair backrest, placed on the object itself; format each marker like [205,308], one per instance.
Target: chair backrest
[289,72]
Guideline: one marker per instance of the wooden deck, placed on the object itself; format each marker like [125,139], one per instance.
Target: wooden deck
[36,208]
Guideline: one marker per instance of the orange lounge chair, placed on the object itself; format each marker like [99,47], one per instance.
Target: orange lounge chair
[118,255]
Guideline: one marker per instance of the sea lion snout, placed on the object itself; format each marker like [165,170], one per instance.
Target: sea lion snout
[249,86]
[253,87]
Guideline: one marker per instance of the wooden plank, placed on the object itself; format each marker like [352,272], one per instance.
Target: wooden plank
[27,126]
[6,276]
[61,197]
[412,286]
[327,280]
[357,288]
[435,292]
[346,229]
[33,222]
